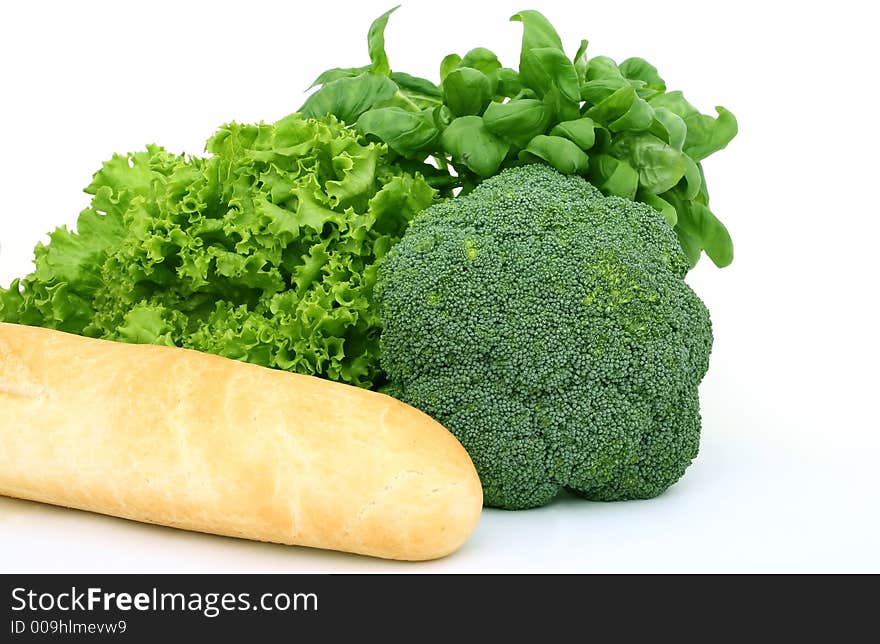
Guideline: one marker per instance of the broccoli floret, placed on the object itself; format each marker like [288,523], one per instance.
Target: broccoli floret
[550,329]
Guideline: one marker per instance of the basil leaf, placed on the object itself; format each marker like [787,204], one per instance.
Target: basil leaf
[348,98]
[699,229]
[613,107]
[693,178]
[596,91]
[509,83]
[660,166]
[407,133]
[546,68]
[613,176]
[603,139]
[602,67]
[703,194]
[638,117]
[558,152]
[449,63]
[537,32]
[717,134]
[669,126]
[581,131]
[641,69]
[705,134]
[642,90]
[474,146]
[580,62]
[467,91]
[376,44]
[337,73]
[442,117]
[517,121]
[702,225]
[482,59]
[415,84]
[485,61]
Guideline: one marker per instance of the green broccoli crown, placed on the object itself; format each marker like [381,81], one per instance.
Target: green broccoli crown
[550,329]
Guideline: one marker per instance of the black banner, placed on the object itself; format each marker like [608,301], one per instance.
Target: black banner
[276,608]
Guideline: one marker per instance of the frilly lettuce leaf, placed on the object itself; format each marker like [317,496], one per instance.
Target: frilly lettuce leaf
[265,251]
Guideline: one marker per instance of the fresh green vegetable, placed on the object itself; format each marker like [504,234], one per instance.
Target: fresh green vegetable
[550,329]
[264,252]
[615,125]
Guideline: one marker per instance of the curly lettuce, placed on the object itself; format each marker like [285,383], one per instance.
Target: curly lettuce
[265,251]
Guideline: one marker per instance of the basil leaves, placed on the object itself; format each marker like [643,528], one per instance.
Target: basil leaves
[614,124]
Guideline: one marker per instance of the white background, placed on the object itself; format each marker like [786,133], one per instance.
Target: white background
[787,478]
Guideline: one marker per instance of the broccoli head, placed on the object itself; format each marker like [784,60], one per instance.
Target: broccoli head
[549,327]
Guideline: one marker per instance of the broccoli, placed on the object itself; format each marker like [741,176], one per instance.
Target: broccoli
[549,327]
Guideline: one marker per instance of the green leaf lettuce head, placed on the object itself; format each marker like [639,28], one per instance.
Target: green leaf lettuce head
[615,125]
[265,251]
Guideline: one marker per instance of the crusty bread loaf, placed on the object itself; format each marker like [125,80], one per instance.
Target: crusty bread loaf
[195,441]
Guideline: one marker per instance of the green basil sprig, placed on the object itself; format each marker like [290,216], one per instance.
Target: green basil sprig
[616,125]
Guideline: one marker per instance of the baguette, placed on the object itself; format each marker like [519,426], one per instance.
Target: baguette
[185,439]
